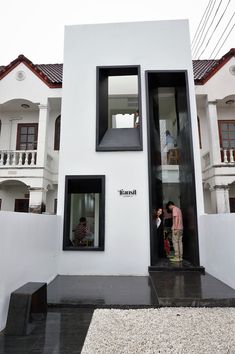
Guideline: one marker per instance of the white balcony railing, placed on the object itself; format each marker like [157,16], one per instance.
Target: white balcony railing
[227,155]
[17,158]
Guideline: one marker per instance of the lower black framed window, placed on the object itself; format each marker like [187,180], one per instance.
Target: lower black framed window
[84,213]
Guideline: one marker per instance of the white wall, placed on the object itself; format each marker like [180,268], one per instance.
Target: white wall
[28,252]
[149,44]
[217,245]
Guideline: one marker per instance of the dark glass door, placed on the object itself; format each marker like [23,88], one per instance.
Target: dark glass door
[171,167]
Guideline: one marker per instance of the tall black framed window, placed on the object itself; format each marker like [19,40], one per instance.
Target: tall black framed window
[84,213]
[118,122]
[170,155]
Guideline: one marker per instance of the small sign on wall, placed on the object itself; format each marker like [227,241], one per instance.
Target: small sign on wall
[127,193]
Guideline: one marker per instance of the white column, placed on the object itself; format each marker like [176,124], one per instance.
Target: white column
[214,133]
[42,135]
[220,199]
[37,199]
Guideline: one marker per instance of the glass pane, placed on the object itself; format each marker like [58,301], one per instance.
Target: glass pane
[123,101]
[23,130]
[31,130]
[30,146]
[84,226]
[31,138]
[23,138]
[232,144]
[232,127]
[22,146]
[168,126]
[225,135]
[225,144]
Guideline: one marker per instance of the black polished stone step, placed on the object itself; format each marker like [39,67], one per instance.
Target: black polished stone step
[166,265]
[191,289]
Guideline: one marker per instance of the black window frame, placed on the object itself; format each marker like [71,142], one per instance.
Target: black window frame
[116,143]
[88,178]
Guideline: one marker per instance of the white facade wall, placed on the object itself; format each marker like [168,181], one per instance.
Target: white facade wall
[217,246]
[149,44]
[28,252]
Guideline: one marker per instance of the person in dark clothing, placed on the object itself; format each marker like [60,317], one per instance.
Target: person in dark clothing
[159,232]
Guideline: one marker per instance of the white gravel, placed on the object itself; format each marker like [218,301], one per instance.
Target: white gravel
[163,330]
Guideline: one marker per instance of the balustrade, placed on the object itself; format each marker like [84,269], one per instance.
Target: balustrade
[17,158]
[227,155]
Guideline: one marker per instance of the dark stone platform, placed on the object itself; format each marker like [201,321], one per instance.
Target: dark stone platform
[102,292]
[71,300]
[165,264]
[182,288]
[193,289]
[62,332]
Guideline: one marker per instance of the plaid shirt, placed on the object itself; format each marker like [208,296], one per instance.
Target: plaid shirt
[81,231]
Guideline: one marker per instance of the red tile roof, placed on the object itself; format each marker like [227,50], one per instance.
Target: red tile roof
[52,74]
[202,67]
[205,69]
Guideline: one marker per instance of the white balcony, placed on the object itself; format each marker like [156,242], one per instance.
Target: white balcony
[18,158]
[227,156]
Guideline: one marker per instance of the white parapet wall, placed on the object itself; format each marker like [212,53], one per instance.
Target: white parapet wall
[217,245]
[28,252]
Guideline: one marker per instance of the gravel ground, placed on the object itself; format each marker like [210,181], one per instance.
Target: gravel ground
[163,330]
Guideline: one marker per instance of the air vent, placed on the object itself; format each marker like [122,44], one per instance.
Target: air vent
[232,69]
[20,75]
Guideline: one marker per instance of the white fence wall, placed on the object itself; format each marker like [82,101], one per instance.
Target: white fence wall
[217,246]
[28,252]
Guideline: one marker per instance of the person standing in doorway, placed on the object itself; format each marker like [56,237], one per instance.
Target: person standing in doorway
[177,231]
[157,214]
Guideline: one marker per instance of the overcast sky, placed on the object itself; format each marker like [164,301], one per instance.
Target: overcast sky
[36,28]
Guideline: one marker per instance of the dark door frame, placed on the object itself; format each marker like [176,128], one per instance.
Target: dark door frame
[194,243]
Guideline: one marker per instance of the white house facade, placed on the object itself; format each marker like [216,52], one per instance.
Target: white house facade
[129,141]
[30,106]
[132,137]
[215,95]
[114,174]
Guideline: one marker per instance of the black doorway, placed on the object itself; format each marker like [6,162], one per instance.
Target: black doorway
[22,205]
[170,154]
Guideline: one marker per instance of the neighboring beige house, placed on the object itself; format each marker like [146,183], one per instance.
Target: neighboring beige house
[215,96]
[30,108]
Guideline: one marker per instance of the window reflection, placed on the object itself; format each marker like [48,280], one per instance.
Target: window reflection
[84,219]
[168,126]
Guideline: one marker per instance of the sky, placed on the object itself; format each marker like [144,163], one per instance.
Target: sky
[36,28]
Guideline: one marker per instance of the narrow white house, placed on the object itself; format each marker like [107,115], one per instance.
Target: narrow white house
[124,99]
[30,106]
